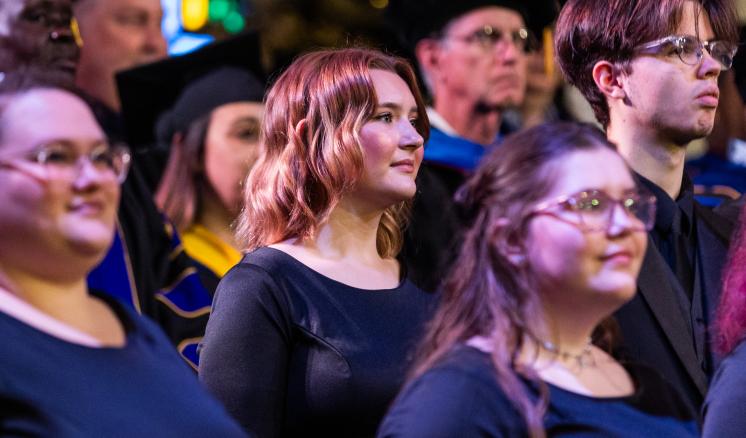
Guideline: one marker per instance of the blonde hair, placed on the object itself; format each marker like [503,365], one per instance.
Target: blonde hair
[310,151]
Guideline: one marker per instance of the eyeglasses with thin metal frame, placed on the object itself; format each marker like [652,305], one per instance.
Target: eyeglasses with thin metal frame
[691,50]
[593,210]
[488,37]
[59,159]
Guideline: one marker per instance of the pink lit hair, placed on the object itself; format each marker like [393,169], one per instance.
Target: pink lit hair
[730,323]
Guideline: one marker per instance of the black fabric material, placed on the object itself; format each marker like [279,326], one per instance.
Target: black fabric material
[291,352]
[219,87]
[50,387]
[148,90]
[724,407]
[674,233]
[431,237]
[460,397]
[661,327]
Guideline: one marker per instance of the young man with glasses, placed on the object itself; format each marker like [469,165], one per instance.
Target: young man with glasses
[650,70]
[472,56]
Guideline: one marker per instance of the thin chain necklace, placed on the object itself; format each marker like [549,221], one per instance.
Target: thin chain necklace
[583,359]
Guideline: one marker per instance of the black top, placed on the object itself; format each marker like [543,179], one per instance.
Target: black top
[724,406]
[460,397]
[431,239]
[291,352]
[674,231]
[50,387]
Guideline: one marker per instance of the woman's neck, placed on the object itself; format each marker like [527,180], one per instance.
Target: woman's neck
[350,233]
[46,294]
[344,249]
[66,300]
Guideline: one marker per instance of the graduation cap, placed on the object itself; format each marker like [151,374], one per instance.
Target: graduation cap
[413,20]
[166,96]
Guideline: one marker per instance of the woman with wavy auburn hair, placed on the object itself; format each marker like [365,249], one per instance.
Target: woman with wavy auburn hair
[311,332]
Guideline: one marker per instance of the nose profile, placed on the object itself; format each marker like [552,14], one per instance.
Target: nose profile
[409,138]
[155,42]
[88,177]
[622,221]
[709,66]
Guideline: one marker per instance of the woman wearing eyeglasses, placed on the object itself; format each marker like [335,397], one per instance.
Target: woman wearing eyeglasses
[74,362]
[556,238]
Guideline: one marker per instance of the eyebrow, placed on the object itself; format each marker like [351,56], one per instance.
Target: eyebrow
[395,106]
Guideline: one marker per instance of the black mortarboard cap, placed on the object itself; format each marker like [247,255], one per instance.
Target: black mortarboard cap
[166,96]
[413,20]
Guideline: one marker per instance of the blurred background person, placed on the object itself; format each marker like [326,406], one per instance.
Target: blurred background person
[555,242]
[76,362]
[213,148]
[722,409]
[472,56]
[160,103]
[311,333]
[117,35]
[38,36]
[200,115]
[213,129]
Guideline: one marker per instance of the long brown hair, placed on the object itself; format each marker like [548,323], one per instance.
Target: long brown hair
[179,191]
[485,293]
[310,152]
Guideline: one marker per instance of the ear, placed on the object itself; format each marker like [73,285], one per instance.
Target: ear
[426,51]
[608,79]
[508,244]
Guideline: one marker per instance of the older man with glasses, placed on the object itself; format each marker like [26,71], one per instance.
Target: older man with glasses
[472,56]
[650,71]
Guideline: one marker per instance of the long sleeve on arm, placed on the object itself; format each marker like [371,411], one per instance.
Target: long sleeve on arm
[244,355]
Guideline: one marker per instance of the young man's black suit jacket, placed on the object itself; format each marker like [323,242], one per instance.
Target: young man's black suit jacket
[671,334]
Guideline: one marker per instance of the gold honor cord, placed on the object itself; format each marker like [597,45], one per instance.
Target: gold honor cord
[548,42]
[76,32]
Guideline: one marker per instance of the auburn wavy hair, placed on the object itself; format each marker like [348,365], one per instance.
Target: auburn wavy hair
[310,149]
[485,294]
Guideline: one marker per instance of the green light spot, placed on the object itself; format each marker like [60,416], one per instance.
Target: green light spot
[234,22]
[219,9]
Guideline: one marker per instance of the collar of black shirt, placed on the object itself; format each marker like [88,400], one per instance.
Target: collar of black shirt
[668,210]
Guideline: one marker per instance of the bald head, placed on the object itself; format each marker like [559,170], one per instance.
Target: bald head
[117,35]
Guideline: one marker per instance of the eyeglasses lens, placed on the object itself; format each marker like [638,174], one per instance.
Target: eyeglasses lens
[596,210]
